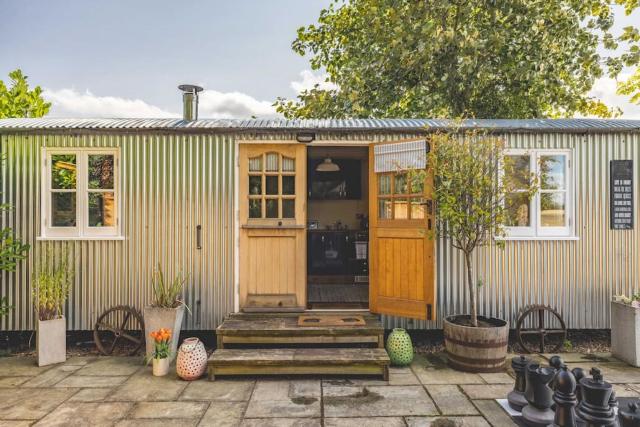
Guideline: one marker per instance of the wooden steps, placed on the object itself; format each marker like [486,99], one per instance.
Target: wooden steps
[283,328]
[299,361]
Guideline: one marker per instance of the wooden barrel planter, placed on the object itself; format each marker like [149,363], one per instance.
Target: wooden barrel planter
[476,349]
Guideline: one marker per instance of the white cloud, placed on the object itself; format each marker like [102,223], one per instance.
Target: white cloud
[71,103]
[213,104]
[308,80]
[605,90]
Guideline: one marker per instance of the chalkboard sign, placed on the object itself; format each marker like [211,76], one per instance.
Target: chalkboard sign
[621,194]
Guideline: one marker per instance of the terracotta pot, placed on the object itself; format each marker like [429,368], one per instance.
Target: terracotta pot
[191,363]
[161,367]
[476,349]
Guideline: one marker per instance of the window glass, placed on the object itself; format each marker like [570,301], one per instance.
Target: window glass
[417,209]
[518,170]
[552,209]
[384,208]
[63,209]
[102,209]
[63,171]
[518,211]
[288,185]
[272,184]
[255,164]
[552,175]
[272,162]
[255,208]
[100,171]
[288,165]
[384,184]
[272,208]
[255,184]
[400,209]
[288,208]
[400,184]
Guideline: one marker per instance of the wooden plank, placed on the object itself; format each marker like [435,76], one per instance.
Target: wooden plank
[303,339]
[299,356]
[272,301]
[310,320]
[355,369]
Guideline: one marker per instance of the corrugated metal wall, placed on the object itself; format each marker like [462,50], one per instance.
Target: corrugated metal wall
[171,184]
[174,182]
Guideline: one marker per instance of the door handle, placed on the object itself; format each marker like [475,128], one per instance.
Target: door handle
[198,237]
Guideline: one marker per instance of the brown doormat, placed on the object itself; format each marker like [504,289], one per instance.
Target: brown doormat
[331,320]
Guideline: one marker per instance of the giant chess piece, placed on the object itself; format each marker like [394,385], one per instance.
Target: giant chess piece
[578,373]
[565,398]
[516,397]
[595,408]
[556,363]
[538,411]
[629,417]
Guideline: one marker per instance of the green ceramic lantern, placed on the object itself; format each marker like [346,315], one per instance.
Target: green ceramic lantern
[399,347]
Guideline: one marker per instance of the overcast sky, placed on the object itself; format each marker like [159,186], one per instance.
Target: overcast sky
[125,58]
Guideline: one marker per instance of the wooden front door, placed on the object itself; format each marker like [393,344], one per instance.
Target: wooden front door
[272,198]
[400,219]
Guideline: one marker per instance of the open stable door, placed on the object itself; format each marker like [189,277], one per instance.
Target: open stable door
[400,219]
[272,205]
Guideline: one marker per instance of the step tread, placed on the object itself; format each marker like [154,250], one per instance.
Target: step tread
[300,356]
[288,325]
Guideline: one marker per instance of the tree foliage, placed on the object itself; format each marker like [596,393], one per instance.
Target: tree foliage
[17,100]
[453,58]
[470,185]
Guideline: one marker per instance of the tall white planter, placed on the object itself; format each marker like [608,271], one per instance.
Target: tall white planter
[51,341]
[625,332]
[168,318]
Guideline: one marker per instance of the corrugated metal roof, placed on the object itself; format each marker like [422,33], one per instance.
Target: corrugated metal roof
[510,125]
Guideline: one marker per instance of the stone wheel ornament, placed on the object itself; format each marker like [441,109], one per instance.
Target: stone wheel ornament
[121,326]
[540,315]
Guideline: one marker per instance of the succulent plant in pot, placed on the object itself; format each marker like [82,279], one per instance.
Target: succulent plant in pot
[51,285]
[166,310]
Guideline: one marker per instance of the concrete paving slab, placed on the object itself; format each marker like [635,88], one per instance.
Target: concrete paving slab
[285,390]
[599,357]
[145,387]
[491,391]
[51,376]
[219,390]
[15,423]
[497,378]
[168,410]
[281,422]
[460,421]
[494,413]
[112,366]
[85,414]
[21,366]
[223,414]
[91,395]
[446,376]
[625,390]
[368,422]
[31,403]
[157,423]
[402,376]
[91,382]
[376,401]
[81,360]
[450,400]
[13,381]
[277,406]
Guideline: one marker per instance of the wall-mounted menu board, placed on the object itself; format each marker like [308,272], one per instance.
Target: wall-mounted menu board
[621,194]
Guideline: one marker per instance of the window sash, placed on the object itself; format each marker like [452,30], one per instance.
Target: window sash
[536,229]
[82,191]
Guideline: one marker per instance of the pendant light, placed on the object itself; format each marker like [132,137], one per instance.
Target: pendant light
[327,166]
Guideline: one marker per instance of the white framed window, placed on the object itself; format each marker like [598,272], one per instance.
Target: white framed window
[548,214]
[80,193]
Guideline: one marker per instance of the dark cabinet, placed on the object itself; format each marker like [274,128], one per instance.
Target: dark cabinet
[344,184]
[333,253]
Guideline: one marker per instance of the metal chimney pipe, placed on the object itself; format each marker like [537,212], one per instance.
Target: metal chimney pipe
[190,101]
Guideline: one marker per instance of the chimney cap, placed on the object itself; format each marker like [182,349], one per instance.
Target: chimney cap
[190,88]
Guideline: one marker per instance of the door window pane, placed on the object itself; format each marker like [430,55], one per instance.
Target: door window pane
[518,171]
[255,184]
[417,209]
[255,208]
[552,176]
[384,208]
[100,171]
[288,208]
[272,208]
[400,184]
[63,171]
[288,165]
[272,184]
[289,185]
[272,162]
[552,209]
[63,209]
[255,164]
[384,184]
[400,209]
[517,210]
[102,209]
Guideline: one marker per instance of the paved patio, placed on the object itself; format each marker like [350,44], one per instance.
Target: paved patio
[106,391]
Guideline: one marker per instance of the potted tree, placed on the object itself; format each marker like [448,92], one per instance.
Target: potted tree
[166,310]
[472,183]
[51,285]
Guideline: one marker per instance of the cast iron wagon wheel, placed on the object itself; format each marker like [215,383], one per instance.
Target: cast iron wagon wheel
[122,326]
[539,311]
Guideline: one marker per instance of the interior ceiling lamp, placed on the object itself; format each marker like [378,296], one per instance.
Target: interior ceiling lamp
[327,166]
